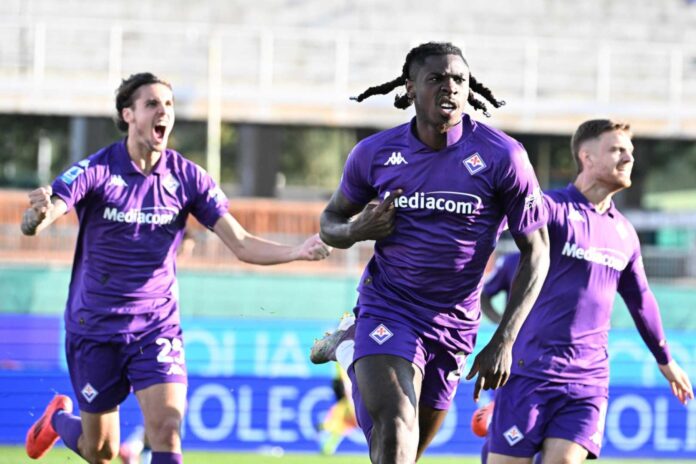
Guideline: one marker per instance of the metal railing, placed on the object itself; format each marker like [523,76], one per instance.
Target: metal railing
[306,75]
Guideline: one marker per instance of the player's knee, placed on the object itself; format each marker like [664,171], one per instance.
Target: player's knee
[165,433]
[100,453]
[397,432]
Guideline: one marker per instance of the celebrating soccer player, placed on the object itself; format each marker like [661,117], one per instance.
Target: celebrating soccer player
[556,399]
[444,183]
[132,199]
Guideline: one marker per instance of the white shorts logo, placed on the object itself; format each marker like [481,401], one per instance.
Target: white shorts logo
[513,435]
[89,392]
[381,334]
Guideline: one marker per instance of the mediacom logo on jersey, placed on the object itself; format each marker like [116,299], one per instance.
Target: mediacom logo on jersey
[604,256]
[142,216]
[437,201]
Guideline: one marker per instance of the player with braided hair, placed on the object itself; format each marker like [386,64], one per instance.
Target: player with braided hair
[417,55]
[442,184]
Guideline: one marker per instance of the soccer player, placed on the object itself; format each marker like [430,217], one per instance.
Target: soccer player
[444,183]
[499,280]
[132,199]
[556,398]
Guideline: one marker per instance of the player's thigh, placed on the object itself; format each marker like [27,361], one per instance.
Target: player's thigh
[100,430]
[561,450]
[389,385]
[494,458]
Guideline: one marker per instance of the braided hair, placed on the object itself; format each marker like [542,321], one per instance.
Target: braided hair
[418,55]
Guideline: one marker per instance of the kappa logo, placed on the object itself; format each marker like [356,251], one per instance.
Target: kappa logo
[381,334]
[474,164]
[395,159]
[89,392]
[117,181]
[513,435]
[574,215]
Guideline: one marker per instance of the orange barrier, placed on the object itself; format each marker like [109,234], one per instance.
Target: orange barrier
[284,221]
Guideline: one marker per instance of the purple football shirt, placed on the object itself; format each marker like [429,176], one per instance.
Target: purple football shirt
[500,278]
[593,256]
[124,271]
[447,221]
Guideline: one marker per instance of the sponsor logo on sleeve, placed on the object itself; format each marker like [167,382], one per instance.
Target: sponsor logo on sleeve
[533,199]
[474,164]
[74,172]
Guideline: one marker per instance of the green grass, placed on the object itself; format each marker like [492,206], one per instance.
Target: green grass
[15,455]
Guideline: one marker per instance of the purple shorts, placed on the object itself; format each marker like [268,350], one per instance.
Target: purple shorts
[441,367]
[528,410]
[103,372]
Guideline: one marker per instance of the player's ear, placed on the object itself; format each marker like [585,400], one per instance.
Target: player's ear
[127,115]
[410,89]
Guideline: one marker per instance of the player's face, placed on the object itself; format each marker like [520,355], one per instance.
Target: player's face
[610,159]
[151,117]
[439,90]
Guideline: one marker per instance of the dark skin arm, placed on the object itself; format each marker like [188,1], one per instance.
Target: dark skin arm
[375,222]
[494,362]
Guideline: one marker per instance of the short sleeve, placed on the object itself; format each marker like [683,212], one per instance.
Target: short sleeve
[355,183]
[210,202]
[521,195]
[75,183]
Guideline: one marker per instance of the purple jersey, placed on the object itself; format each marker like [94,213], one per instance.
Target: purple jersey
[500,278]
[447,220]
[564,338]
[123,278]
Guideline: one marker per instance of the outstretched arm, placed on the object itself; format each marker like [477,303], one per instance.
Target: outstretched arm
[375,222]
[645,312]
[43,210]
[256,250]
[494,362]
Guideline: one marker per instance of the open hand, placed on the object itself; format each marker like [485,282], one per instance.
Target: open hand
[678,381]
[493,365]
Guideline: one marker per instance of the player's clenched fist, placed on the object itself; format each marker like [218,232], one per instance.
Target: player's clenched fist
[40,200]
[313,249]
[377,220]
[39,206]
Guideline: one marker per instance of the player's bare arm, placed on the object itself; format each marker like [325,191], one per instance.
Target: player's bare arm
[494,361]
[375,222]
[43,210]
[256,250]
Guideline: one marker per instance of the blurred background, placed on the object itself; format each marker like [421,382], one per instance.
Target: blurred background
[262,99]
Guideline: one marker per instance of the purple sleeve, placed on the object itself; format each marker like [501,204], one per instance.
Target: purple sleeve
[356,183]
[74,184]
[521,194]
[641,302]
[210,202]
